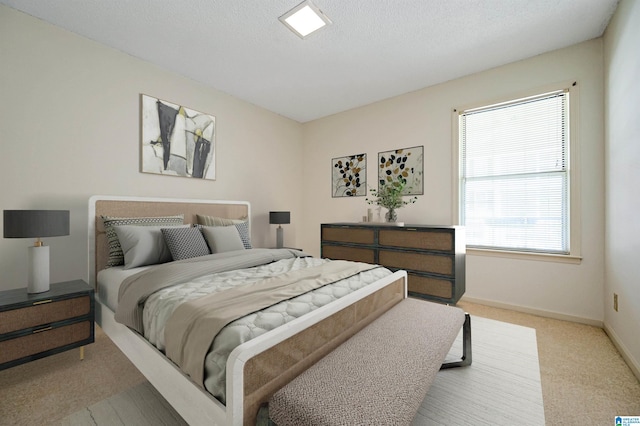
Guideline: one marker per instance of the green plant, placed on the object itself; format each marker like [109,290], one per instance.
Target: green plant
[390,196]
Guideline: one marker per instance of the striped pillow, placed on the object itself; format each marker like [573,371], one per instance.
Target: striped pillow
[217,221]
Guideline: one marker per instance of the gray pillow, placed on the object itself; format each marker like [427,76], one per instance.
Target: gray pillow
[222,238]
[241,225]
[185,243]
[116,256]
[142,245]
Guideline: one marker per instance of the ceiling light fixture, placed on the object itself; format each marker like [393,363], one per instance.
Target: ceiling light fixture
[304,19]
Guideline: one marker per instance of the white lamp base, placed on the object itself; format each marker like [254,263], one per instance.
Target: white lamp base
[38,269]
[279,237]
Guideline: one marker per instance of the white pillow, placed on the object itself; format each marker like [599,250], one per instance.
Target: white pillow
[143,245]
[222,238]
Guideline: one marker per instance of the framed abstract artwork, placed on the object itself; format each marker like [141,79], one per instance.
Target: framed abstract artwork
[402,166]
[349,176]
[176,140]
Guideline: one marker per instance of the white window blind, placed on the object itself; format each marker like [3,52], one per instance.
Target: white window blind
[514,183]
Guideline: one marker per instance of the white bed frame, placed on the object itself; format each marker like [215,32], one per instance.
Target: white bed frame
[193,403]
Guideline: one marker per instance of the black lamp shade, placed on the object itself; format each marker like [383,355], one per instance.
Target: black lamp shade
[277,218]
[35,223]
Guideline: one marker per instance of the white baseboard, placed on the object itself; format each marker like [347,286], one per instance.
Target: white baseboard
[633,364]
[533,311]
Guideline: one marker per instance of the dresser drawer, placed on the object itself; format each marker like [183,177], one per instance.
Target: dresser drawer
[430,286]
[43,312]
[417,239]
[45,339]
[348,235]
[423,262]
[355,254]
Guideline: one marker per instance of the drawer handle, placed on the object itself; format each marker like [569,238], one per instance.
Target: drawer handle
[411,229]
[42,302]
[42,329]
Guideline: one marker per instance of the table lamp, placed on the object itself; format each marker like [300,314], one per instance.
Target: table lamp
[278,218]
[36,224]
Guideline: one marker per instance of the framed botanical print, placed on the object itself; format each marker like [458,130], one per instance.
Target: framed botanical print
[402,167]
[349,176]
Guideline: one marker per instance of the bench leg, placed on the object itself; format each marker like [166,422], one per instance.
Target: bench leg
[466,346]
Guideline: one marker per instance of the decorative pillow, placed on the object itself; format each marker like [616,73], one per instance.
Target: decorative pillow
[242,225]
[243,230]
[185,243]
[216,221]
[222,238]
[116,256]
[142,245]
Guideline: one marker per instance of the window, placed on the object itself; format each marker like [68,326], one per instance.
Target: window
[514,175]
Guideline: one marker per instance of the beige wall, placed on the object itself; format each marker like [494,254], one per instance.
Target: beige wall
[424,118]
[622,63]
[69,129]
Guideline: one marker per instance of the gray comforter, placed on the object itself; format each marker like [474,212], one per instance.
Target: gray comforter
[135,290]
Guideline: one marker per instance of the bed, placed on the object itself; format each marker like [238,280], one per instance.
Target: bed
[258,367]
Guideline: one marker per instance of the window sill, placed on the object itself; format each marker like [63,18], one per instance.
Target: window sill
[543,257]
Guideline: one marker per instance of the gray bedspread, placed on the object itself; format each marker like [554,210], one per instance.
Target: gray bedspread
[135,290]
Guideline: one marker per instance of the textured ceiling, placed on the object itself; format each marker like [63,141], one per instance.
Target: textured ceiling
[374,50]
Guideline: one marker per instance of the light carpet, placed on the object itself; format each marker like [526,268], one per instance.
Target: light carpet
[501,387]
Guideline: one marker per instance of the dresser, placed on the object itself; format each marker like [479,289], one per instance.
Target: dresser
[33,326]
[433,256]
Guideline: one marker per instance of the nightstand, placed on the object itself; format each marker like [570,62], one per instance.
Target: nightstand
[33,326]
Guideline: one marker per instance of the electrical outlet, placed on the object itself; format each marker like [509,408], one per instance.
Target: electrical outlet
[615,302]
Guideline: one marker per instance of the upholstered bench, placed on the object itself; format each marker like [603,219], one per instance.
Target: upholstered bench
[381,375]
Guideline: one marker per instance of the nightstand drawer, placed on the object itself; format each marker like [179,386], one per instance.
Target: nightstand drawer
[45,339]
[417,239]
[43,312]
[432,263]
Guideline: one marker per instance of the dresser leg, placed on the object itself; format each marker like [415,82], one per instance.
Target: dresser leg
[81,352]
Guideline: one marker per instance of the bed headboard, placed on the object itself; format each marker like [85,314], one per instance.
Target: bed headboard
[101,205]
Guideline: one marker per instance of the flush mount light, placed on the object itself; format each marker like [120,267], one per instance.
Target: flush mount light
[304,19]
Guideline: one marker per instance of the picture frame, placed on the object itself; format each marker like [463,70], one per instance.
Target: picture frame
[349,176]
[402,165]
[176,140]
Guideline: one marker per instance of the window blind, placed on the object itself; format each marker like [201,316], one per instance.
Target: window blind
[514,182]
